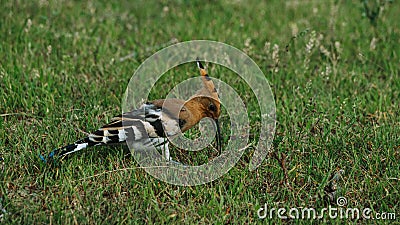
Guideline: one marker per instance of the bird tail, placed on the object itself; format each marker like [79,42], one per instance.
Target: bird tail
[68,149]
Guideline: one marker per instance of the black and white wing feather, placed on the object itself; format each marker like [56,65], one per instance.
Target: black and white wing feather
[148,125]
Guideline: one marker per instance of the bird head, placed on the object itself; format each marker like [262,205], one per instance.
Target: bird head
[206,103]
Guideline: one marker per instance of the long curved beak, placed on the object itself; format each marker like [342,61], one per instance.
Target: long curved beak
[218,137]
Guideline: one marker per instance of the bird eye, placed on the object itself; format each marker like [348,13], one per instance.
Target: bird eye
[212,107]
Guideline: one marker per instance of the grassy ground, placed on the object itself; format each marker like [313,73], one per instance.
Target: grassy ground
[333,67]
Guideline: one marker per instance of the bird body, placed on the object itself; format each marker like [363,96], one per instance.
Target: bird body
[153,122]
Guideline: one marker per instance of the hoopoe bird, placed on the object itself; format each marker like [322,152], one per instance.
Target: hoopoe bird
[154,121]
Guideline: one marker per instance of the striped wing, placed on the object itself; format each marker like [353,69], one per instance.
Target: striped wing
[144,125]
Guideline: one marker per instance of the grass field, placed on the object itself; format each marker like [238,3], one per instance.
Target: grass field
[333,67]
